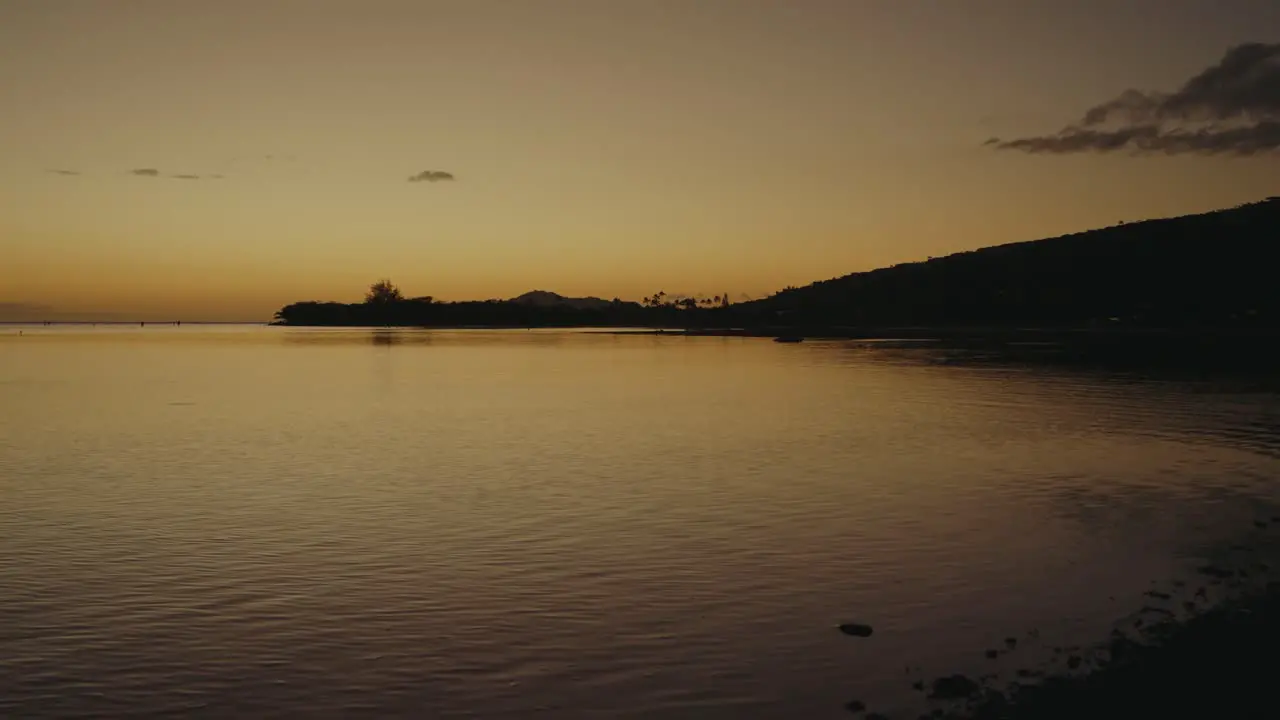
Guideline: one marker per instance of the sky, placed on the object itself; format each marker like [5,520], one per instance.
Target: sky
[201,160]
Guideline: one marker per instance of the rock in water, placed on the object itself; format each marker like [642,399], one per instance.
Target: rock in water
[1214,571]
[953,687]
[856,629]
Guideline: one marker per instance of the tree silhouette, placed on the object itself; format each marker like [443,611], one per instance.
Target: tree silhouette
[658,299]
[383,292]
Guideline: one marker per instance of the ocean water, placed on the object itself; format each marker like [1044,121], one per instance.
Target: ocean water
[269,522]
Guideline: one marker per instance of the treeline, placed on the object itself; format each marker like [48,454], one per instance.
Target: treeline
[490,313]
[384,307]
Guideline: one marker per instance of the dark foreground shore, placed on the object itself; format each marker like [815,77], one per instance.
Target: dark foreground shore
[1221,664]
[1182,656]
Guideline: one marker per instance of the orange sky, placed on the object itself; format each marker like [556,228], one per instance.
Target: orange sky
[604,147]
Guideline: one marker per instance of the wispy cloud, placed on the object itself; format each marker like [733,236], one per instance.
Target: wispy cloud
[432,176]
[154,172]
[65,172]
[1230,108]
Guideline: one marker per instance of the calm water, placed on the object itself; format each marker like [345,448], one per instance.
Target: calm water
[263,521]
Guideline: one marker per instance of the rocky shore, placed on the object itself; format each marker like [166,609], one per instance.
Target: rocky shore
[1220,664]
[1204,647]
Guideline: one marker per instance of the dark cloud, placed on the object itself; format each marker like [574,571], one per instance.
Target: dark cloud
[1132,106]
[65,172]
[1231,108]
[1241,140]
[145,172]
[1244,85]
[185,177]
[431,176]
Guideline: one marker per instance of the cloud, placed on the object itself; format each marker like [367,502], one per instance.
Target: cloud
[1245,140]
[65,172]
[153,172]
[432,176]
[1230,108]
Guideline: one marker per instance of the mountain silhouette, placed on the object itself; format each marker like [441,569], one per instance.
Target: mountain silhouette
[544,298]
[1215,269]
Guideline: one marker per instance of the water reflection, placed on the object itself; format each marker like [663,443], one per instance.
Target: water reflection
[427,336]
[407,522]
[393,337]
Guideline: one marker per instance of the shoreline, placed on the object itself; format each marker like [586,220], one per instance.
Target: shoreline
[1181,655]
[1214,664]
[826,332]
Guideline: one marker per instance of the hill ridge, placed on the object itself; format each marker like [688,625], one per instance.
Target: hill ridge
[1212,267]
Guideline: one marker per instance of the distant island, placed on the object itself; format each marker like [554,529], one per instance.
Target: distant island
[384,305]
[1212,270]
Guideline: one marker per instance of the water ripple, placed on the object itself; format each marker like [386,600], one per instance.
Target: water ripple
[510,525]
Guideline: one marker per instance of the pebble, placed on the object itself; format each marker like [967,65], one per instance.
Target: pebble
[856,629]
